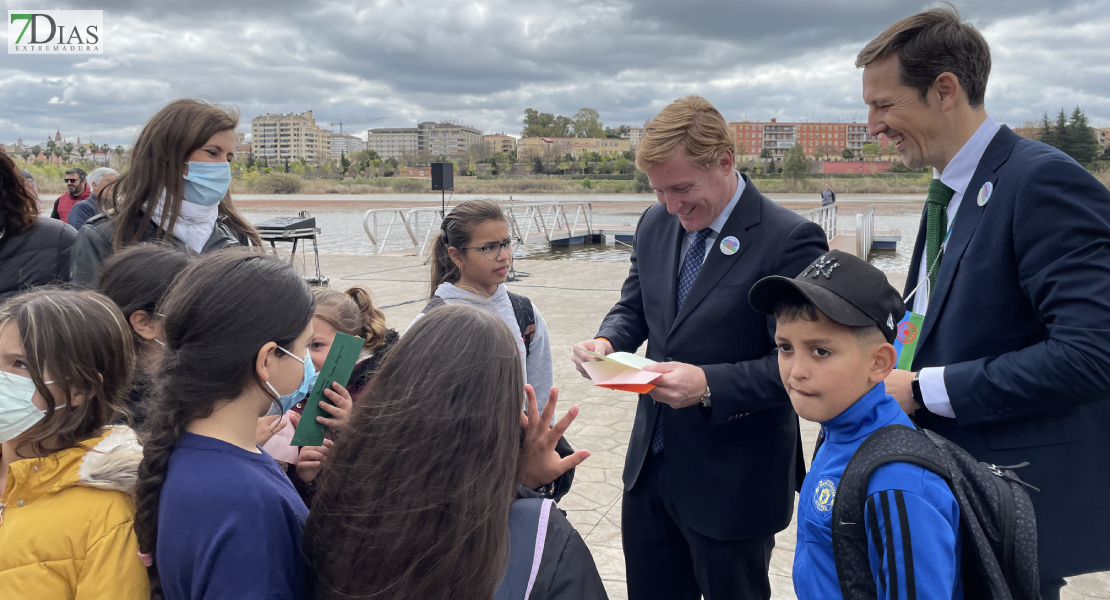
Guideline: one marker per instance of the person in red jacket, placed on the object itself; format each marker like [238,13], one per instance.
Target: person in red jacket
[78,191]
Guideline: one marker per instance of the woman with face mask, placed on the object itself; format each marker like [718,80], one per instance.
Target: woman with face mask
[68,479]
[216,517]
[175,190]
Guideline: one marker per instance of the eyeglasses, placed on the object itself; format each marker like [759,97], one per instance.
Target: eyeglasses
[492,250]
[71,180]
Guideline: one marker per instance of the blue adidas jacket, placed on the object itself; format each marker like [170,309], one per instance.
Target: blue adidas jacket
[912,518]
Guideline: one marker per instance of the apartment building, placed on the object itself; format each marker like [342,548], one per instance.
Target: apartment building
[394,142]
[499,142]
[280,138]
[830,139]
[342,143]
[450,139]
[575,146]
[635,135]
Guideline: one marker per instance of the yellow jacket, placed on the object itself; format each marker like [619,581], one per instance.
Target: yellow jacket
[66,524]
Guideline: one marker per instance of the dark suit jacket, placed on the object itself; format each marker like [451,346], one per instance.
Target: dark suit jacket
[1021,322]
[729,470]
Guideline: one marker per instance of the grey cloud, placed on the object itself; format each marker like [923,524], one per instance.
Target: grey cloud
[485,62]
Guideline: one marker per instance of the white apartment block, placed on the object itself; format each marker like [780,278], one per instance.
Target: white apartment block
[394,142]
[342,143]
[279,138]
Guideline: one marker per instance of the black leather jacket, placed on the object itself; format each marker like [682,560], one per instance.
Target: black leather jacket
[36,256]
[94,245]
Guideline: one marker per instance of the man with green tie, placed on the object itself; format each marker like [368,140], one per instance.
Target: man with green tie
[1011,273]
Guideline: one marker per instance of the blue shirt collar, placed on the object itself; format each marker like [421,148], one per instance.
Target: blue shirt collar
[873,410]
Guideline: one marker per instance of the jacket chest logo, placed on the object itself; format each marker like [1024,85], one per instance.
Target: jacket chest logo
[824,495]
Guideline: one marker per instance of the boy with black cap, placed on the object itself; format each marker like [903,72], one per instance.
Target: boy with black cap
[835,326]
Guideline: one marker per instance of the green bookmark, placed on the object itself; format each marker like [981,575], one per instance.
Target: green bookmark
[338,367]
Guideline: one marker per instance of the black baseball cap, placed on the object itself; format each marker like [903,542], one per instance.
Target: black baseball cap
[847,289]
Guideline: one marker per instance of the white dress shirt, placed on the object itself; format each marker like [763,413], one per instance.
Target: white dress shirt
[957,176]
[717,225]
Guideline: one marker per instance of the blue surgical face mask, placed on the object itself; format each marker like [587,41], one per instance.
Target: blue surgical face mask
[207,182]
[288,401]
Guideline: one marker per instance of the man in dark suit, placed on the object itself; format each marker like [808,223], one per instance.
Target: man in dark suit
[710,472]
[1012,274]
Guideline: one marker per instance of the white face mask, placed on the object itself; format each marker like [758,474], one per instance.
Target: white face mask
[17,412]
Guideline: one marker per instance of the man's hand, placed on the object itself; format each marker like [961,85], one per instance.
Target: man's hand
[899,384]
[542,464]
[598,346]
[681,385]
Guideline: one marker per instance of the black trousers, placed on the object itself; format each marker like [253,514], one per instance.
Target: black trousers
[665,559]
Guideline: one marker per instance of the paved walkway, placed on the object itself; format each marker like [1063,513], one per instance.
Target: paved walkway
[573,297]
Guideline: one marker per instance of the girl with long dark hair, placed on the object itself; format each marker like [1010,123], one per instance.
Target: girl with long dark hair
[216,517]
[421,491]
[33,251]
[175,190]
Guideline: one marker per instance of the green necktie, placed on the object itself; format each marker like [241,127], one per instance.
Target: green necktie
[936,226]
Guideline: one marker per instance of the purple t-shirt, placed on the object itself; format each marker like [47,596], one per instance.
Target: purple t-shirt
[229,525]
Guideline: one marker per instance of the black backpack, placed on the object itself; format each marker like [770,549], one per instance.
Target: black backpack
[997,525]
[522,309]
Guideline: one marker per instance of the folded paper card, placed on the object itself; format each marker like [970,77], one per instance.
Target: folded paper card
[621,371]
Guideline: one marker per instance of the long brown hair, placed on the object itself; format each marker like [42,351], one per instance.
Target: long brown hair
[353,313]
[18,206]
[414,501]
[84,341]
[455,232]
[213,332]
[158,161]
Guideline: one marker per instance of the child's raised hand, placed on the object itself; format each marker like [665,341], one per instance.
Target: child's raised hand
[267,427]
[339,408]
[312,459]
[542,464]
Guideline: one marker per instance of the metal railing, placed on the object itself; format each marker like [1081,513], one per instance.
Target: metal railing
[824,216]
[553,220]
[865,233]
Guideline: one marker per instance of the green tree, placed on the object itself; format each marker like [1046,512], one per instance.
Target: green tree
[119,155]
[622,165]
[586,183]
[765,154]
[344,162]
[1082,143]
[796,167]
[81,152]
[26,154]
[69,150]
[640,183]
[847,154]
[870,149]
[36,150]
[537,165]
[1047,133]
[587,124]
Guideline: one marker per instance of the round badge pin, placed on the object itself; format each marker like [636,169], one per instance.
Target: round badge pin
[729,246]
[985,194]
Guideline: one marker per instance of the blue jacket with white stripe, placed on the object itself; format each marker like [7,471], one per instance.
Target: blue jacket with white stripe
[913,521]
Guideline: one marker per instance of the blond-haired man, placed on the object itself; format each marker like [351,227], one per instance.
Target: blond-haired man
[712,465]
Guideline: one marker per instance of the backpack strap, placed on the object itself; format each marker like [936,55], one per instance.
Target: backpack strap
[435,302]
[528,521]
[525,319]
[893,443]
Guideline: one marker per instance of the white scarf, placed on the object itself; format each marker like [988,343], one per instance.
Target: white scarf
[194,222]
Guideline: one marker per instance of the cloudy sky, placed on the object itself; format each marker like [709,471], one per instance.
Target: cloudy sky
[483,62]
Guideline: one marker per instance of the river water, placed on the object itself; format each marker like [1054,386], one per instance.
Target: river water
[340,219]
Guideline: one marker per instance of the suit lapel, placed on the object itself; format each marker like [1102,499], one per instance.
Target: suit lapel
[670,245]
[966,222]
[744,215]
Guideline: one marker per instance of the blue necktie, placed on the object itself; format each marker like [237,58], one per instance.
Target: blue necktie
[691,265]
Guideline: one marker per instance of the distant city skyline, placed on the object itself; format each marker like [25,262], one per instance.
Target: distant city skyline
[625,59]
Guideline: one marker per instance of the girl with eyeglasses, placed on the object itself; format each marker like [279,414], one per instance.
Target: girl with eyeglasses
[470,263]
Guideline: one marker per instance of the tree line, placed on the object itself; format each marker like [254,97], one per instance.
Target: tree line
[1072,136]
